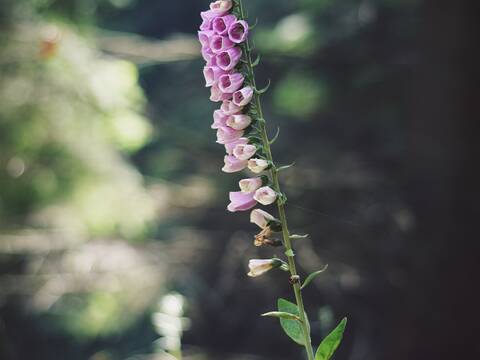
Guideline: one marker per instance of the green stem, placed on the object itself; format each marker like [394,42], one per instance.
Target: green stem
[281,206]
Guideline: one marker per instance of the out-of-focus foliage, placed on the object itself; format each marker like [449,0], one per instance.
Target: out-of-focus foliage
[68,119]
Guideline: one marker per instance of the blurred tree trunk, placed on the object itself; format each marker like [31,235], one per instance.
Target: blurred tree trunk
[443,165]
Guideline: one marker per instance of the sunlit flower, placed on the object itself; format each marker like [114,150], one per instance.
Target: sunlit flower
[250,185]
[219,43]
[228,59]
[226,134]
[240,201]
[229,83]
[238,31]
[222,24]
[244,151]
[232,164]
[261,266]
[265,195]
[229,108]
[243,96]
[257,165]
[230,146]
[239,121]
[221,6]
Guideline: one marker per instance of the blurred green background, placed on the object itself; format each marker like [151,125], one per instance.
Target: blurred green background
[114,239]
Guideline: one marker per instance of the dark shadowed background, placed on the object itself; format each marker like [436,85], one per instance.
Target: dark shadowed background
[114,239]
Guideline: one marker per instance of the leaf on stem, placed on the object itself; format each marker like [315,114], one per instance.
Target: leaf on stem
[285,167]
[265,89]
[313,276]
[275,137]
[298,237]
[256,62]
[331,342]
[292,328]
[289,253]
[282,315]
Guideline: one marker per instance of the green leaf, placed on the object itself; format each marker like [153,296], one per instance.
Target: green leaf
[289,253]
[331,342]
[264,90]
[285,167]
[256,62]
[275,137]
[298,237]
[291,327]
[282,315]
[313,276]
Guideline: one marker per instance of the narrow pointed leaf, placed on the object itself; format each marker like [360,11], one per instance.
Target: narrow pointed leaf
[291,327]
[257,61]
[264,90]
[298,237]
[285,167]
[289,253]
[313,276]
[331,342]
[282,315]
[275,137]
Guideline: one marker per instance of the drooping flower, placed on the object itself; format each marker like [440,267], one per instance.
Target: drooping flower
[228,59]
[251,184]
[204,37]
[219,119]
[221,6]
[221,24]
[217,95]
[257,165]
[238,31]
[265,195]
[230,146]
[229,83]
[209,56]
[240,201]
[229,108]
[268,224]
[239,121]
[261,266]
[226,134]
[219,43]
[243,96]
[207,18]
[232,164]
[211,74]
[244,151]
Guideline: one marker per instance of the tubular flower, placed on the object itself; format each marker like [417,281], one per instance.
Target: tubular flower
[211,74]
[219,119]
[204,37]
[244,151]
[257,165]
[229,108]
[261,266]
[242,97]
[226,134]
[239,121]
[250,185]
[217,95]
[230,146]
[221,6]
[238,31]
[268,224]
[229,83]
[228,59]
[221,24]
[265,195]
[240,201]
[220,43]
[232,164]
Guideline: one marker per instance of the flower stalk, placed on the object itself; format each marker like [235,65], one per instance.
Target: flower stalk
[241,128]
[280,203]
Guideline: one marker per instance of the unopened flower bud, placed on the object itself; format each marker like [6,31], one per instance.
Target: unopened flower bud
[221,6]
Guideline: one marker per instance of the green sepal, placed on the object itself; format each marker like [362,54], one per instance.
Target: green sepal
[282,199]
[331,342]
[313,276]
[282,315]
[291,327]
